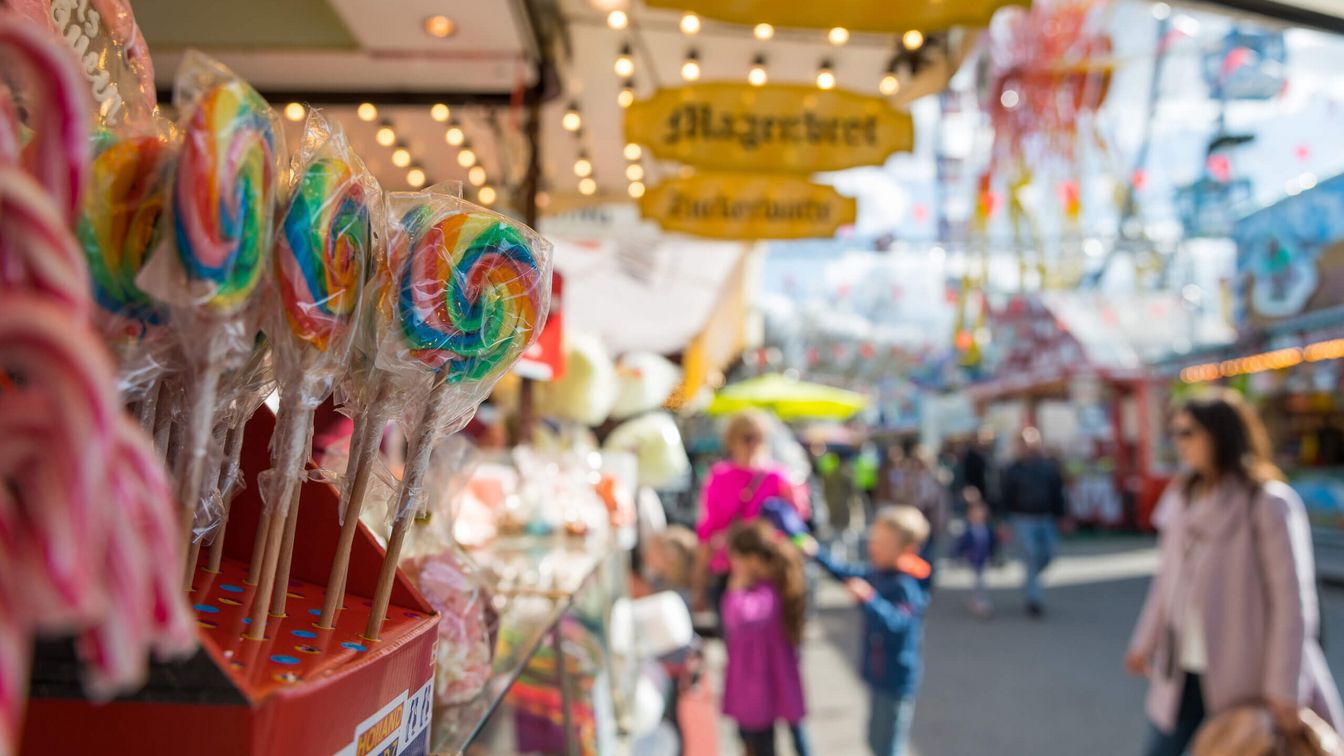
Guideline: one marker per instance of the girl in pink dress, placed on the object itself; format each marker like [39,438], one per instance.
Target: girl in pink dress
[763,614]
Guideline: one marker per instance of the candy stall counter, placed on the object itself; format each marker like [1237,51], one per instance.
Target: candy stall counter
[547,589]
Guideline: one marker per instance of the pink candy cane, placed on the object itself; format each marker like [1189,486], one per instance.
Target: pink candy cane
[57,102]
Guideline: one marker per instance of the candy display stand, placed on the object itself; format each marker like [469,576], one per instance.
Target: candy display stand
[301,690]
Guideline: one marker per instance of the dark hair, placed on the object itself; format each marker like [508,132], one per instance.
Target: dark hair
[759,538]
[1240,443]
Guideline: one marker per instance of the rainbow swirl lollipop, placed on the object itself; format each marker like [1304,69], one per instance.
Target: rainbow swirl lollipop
[320,256]
[225,192]
[469,294]
[118,225]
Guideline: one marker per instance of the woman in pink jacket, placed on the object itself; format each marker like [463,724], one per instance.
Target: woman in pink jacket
[1231,617]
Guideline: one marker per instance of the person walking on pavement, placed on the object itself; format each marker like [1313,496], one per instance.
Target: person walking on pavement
[735,491]
[1231,616]
[1032,498]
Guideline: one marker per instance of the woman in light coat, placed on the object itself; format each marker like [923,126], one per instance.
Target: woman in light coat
[1231,617]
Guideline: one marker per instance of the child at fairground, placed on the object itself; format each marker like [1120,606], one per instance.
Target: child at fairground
[763,613]
[669,557]
[890,592]
[977,545]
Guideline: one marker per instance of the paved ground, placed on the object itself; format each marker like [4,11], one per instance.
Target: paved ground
[1011,685]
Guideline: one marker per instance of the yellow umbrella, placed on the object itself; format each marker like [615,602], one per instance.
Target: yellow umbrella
[789,399]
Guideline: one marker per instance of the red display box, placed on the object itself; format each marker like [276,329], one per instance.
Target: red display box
[302,690]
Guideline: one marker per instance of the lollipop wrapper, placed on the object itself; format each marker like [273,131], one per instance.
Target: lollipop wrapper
[469,293]
[324,245]
[222,200]
[111,51]
[119,225]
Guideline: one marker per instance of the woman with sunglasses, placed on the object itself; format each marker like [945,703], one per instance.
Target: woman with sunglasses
[1231,617]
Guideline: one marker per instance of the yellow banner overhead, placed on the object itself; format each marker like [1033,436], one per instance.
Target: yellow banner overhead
[884,16]
[747,207]
[796,129]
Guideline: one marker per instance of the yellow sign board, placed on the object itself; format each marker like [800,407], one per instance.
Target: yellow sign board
[797,129]
[884,16]
[747,207]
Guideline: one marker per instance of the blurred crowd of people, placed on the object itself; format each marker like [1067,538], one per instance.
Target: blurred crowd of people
[1228,637]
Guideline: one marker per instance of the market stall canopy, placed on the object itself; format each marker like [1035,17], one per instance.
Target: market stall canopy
[789,399]
[1327,15]
[418,68]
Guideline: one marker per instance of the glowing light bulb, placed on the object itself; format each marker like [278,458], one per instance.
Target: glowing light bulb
[467,157]
[366,111]
[634,172]
[439,112]
[626,98]
[415,177]
[625,63]
[633,151]
[838,36]
[454,135]
[913,39]
[476,175]
[441,27]
[825,77]
[401,157]
[583,167]
[486,195]
[690,70]
[385,135]
[763,31]
[690,24]
[571,120]
[587,186]
[294,111]
[618,19]
[636,189]
[757,75]
[889,85]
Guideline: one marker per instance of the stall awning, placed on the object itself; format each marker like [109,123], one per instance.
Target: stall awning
[1326,15]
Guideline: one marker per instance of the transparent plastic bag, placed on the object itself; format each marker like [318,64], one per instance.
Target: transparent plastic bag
[119,226]
[470,292]
[111,51]
[222,203]
[468,628]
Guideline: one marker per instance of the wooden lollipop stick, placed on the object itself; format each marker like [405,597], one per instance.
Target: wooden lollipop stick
[411,482]
[193,556]
[280,596]
[258,549]
[233,446]
[281,591]
[190,464]
[363,452]
[386,577]
[292,440]
[163,416]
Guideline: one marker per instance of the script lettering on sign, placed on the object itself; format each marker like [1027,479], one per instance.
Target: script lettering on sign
[778,128]
[746,207]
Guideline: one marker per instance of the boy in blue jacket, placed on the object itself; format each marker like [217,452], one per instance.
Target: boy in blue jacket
[893,601]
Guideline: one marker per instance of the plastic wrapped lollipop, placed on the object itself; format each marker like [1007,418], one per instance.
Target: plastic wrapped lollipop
[118,227]
[222,202]
[321,258]
[472,293]
[366,394]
